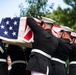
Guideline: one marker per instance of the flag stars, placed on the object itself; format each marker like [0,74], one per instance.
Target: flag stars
[15,22]
[2,26]
[10,28]
[14,33]
[5,32]
[7,22]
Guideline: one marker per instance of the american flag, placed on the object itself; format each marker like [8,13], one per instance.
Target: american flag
[28,36]
[9,28]
[15,30]
[55,30]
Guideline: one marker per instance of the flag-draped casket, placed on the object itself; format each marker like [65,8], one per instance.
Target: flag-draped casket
[16,31]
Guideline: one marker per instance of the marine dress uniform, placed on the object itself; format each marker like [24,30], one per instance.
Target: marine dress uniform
[18,60]
[72,58]
[43,47]
[61,54]
[3,62]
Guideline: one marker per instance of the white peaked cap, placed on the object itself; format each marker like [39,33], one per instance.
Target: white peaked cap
[37,20]
[65,28]
[47,20]
[73,34]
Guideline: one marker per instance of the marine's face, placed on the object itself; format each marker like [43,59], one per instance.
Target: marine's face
[75,41]
[43,26]
[60,34]
[46,26]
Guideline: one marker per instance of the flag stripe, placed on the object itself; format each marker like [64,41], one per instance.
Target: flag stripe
[22,28]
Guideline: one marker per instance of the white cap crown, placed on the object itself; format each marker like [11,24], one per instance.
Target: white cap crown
[47,20]
[73,34]
[65,28]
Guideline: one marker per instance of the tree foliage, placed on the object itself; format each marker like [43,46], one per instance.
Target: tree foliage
[72,13]
[22,10]
[36,8]
[70,2]
[65,16]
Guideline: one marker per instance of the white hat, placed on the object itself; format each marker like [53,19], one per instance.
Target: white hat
[65,28]
[47,20]
[73,34]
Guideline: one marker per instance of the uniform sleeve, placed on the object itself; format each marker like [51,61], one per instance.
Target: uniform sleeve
[34,27]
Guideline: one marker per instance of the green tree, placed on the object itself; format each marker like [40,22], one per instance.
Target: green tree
[57,15]
[72,3]
[36,8]
[65,16]
[61,16]
[72,13]
[22,10]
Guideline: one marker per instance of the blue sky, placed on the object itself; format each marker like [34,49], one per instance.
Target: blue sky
[9,8]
